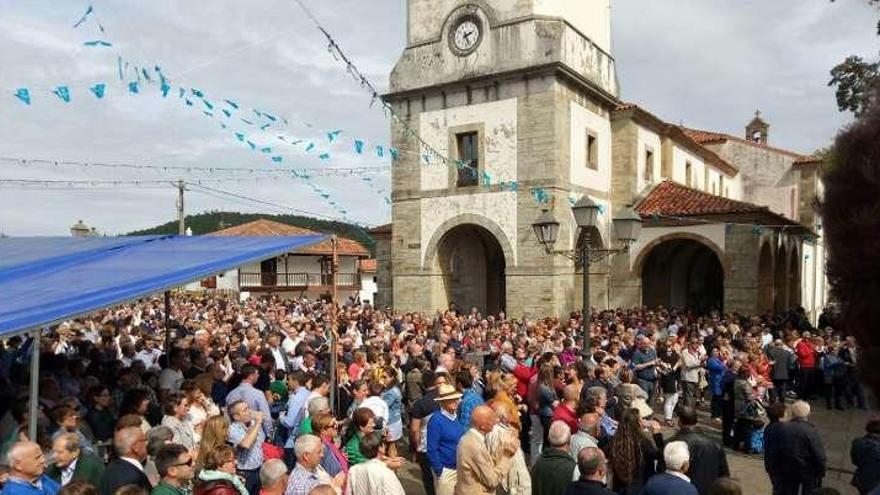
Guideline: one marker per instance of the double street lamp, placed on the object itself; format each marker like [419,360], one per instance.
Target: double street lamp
[627,227]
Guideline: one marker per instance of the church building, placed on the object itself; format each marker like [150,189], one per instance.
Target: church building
[515,111]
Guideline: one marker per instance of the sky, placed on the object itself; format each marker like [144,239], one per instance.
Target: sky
[703,63]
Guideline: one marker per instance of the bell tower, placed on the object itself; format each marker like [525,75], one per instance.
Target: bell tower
[503,114]
[758,131]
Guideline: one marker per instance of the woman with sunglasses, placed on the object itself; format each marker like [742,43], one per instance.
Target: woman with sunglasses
[327,428]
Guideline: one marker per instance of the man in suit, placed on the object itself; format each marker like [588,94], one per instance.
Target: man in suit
[674,481]
[71,463]
[774,436]
[803,452]
[130,445]
[708,460]
[478,472]
[593,469]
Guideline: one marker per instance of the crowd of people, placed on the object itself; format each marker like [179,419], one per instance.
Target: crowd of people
[253,397]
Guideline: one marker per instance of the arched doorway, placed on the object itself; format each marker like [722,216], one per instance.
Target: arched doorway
[683,273]
[794,280]
[765,279]
[781,280]
[472,268]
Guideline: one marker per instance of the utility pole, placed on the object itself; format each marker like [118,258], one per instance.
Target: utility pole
[334,271]
[181,217]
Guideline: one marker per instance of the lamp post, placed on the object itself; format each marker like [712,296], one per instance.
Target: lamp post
[627,227]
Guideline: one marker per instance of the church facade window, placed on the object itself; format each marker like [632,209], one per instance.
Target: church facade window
[468,151]
[649,164]
[688,174]
[592,150]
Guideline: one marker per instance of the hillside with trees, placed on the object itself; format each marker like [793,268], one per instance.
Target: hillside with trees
[204,223]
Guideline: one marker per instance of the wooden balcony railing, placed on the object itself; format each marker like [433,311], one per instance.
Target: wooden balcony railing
[297,280]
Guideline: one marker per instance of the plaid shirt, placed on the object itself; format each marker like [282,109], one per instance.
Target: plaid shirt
[302,480]
[246,459]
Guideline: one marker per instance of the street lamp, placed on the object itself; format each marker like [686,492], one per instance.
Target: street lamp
[627,227]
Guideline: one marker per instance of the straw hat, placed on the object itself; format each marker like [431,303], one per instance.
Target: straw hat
[447,392]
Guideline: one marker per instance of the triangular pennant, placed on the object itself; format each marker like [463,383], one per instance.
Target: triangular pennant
[98,90]
[24,95]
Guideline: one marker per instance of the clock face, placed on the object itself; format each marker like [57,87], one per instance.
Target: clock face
[466,35]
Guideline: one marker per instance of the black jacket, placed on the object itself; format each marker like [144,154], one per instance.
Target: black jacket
[120,473]
[708,460]
[804,454]
[587,487]
[865,455]
[774,458]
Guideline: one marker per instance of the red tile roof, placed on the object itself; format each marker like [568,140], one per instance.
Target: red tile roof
[369,266]
[710,137]
[270,228]
[672,199]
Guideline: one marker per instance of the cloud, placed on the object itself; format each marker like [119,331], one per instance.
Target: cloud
[708,64]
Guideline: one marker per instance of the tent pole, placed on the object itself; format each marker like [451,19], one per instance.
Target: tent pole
[167,322]
[35,386]
[334,270]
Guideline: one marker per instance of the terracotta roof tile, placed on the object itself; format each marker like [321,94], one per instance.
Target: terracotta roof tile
[710,137]
[369,266]
[672,199]
[270,228]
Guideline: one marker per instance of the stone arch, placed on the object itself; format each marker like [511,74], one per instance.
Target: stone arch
[682,272]
[780,279]
[468,219]
[470,270]
[639,261]
[794,278]
[765,278]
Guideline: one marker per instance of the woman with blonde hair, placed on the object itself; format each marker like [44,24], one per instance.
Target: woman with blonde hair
[218,474]
[214,433]
[503,385]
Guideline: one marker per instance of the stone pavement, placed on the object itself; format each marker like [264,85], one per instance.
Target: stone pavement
[837,429]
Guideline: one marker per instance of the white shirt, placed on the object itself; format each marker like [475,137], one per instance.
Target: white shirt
[67,472]
[678,475]
[378,406]
[374,478]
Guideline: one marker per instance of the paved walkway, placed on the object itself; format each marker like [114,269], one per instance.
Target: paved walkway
[837,428]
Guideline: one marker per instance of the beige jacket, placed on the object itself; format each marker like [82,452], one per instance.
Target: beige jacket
[478,472]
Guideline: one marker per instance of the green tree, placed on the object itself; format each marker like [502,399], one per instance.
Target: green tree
[854,80]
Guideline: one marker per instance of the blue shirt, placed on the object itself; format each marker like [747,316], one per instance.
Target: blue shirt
[646,356]
[292,418]
[469,401]
[43,486]
[393,398]
[444,433]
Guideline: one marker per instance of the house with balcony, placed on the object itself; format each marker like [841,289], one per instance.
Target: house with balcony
[304,272]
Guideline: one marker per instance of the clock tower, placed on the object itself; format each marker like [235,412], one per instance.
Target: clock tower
[503,110]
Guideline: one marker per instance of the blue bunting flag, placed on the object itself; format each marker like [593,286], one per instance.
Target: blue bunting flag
[571,201]
[395,153]
[358,146]
[387,200]
[207,113]
[226,112]
[252,145]
[427,158]
[324,156]
[146,74]
[332,135]
[231,104]
[266,150]
[198,93]
[487,179]
[380,151]
[181,92]
[240,136]
[24,95]
[310,147]
[264,127]
[119,67]
[133,87]
[164,87]
[85,16]
[271,117]
[277,159]
[246,121]
[189,102]
[97,43]
[601,209]
[62,92]
[98,90]
[208,104]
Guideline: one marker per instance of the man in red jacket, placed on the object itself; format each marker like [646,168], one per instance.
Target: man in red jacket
[806,356]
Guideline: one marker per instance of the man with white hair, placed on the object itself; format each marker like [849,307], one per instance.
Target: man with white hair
[803,452]
[26,468]
[273,477]
[554,469]
[674,481]
[308,472]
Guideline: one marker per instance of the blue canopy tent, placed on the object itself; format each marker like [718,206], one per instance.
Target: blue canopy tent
[46,280]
